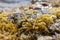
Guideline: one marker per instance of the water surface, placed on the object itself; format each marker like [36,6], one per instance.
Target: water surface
[12,3]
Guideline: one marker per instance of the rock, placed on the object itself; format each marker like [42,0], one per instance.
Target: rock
[45,38]
[55,26]
[56,36]
[53,37]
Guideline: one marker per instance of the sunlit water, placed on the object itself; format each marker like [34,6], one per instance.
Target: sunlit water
[12,3]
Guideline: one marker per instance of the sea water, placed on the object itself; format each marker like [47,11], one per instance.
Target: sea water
[12,3]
